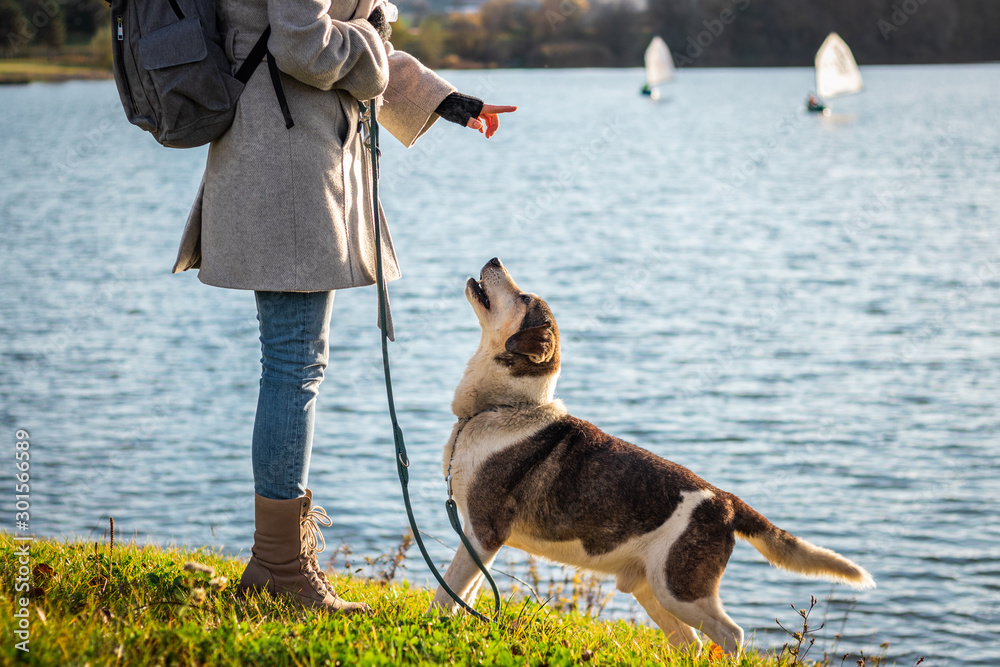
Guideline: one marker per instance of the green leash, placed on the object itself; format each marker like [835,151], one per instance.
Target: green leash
[402,460]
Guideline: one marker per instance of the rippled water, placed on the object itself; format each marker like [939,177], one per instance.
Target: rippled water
[804,310]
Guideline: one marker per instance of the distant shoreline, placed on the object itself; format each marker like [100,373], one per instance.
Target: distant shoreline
[15,72]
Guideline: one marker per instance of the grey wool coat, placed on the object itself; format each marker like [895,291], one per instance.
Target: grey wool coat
[290,209]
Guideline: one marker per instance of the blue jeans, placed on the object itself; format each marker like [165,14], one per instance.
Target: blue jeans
[295,349]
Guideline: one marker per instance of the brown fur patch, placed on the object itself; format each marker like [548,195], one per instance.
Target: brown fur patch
[750,524]
[572,481]
[534,348]
[699,556]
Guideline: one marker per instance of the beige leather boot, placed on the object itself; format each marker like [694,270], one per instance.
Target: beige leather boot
[286,541]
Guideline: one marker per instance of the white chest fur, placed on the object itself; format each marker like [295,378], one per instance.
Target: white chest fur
[486,434]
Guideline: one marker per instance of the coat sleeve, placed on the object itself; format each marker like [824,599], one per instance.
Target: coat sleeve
[413,93]
[310,45]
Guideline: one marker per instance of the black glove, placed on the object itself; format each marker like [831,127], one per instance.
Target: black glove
[459,108]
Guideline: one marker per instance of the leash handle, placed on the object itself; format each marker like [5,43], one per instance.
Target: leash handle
[402,460]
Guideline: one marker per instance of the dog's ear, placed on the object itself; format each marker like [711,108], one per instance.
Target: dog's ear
[536,343]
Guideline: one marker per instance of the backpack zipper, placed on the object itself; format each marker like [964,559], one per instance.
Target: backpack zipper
[121,59]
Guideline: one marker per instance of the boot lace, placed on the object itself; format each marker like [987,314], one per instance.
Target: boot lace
[313,538]
[314,542]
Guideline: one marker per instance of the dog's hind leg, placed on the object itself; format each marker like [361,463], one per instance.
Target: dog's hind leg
[686,581]
[463,576]
[679,634]
[703,612]
[708,616]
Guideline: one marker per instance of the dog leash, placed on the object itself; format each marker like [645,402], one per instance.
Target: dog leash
[402,460]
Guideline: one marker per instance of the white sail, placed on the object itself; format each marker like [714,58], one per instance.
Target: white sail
[659,64]
[836,70]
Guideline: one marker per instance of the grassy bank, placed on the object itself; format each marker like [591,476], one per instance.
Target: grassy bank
[98,604]
[29,70]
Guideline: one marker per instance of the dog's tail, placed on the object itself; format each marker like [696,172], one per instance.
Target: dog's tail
[786,551]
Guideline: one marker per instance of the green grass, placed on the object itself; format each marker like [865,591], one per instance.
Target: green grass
[137,605]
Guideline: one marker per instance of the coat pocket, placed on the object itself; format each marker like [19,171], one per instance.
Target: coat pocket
[189,83]
[349,115]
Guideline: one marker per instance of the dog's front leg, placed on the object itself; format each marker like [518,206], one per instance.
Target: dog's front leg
[463,576]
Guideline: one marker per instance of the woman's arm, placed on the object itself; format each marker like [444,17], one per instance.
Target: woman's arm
[416,96]
[411,98]
[325,53]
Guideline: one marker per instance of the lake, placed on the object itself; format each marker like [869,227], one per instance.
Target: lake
[803,310]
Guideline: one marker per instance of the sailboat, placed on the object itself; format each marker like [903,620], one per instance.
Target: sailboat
[659,67]
[837,73]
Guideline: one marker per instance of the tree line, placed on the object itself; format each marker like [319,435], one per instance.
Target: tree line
[49,23]
[614,33]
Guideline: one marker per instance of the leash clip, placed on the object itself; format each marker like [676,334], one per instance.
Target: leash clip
[364,124]
[365,129]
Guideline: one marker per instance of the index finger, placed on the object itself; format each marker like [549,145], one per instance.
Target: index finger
[497,108]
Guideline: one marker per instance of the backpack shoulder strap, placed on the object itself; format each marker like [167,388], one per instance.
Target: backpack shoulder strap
[249,66]
[257,54]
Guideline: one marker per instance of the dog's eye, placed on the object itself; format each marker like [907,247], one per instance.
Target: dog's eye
[526,298]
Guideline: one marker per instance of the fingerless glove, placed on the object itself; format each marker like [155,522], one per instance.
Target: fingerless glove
[459,108]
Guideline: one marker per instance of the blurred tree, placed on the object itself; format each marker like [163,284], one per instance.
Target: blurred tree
[926,33]
[84,17]
[977,34]
[466,39]
[535,33]
[673,21]
[402,36]
[47,23]
[619,28]
[101,46]
[11,25]
[560,20]
[783,32]
[509,34]
[426,41]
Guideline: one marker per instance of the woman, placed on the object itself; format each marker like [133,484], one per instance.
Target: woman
[287,212]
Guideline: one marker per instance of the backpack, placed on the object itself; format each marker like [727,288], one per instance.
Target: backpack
[173,76]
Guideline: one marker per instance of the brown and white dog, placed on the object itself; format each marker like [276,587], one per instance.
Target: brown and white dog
[526,474]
